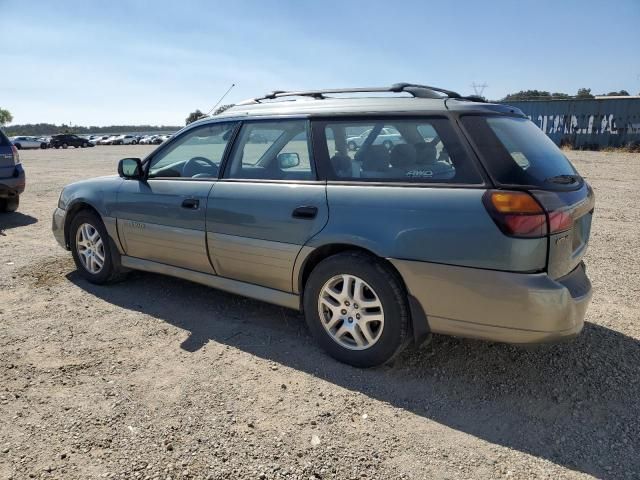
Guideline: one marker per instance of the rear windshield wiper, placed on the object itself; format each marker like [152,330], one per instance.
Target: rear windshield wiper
[564,179]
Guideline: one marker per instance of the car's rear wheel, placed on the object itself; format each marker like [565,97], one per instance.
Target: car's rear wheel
[9,204]
[92,250]
[356,308]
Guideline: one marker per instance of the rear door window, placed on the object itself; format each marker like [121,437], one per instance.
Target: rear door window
[517,152]
[420,150]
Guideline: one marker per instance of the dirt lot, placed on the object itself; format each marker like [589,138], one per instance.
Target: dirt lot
[161,378]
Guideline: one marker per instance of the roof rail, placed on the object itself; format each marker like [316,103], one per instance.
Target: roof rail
[417,91]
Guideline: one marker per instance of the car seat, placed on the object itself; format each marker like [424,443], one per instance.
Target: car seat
[375,161]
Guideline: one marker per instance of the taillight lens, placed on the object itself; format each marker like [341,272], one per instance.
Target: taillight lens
[16,155]
[517,214]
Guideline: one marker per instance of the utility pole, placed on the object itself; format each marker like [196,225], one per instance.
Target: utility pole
[478,88]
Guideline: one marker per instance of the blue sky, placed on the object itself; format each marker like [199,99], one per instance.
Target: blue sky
[135,62]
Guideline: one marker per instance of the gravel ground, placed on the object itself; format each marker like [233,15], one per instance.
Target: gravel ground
[160,378]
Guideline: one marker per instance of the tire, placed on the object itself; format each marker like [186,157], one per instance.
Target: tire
[388,144]
[381,283]
[18,146]
[111,269]
[43,146]
[64,145]
[9,204]
[84,145]
[135,142]
[352,146]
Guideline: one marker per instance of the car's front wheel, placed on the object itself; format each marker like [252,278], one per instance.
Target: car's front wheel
[64,145]
[356,308]
[92,250]
[10,204]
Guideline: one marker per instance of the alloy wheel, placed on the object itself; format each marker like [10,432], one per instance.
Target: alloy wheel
[351,312]
[90,248]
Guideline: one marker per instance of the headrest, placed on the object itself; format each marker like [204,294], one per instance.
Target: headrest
[375,158]
[403,155]
[425,153]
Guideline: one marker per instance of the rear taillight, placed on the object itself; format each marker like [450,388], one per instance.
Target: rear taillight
[517,214]
[521,214]
[16,155]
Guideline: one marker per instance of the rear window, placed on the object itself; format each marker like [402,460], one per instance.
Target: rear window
[4,141]
[420,150]
[517,152]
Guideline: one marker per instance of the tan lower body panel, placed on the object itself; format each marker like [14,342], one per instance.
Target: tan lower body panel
[257,292]
[180,247]
[492,305]
[261,262]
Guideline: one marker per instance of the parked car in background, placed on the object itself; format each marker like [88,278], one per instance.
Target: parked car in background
[147,140]
[96,139]
[125,140]
[12,177]
[474,224]
[387,137]
[28,142]
[69,140]
[108,140]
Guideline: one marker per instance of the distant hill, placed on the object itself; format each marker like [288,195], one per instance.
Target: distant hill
[38,129]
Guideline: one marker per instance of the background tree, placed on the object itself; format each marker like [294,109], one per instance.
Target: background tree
[621,93]
[193,116]
[584,93]
[222,108]
[527,95]
[5,116]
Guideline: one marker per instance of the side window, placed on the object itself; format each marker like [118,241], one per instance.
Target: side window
[397,150]
[196,154]
[276,150]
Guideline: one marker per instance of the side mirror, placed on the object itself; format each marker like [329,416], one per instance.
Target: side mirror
[130,168]
[288,160]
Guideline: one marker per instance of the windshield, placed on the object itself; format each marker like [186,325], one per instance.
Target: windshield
[517,152]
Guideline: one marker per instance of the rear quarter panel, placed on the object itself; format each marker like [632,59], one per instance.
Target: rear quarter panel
[440,225]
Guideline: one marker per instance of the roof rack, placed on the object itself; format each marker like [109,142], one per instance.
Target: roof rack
[417,91]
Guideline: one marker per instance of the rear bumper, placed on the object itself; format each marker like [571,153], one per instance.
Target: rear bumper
[57,226]
[498,306]
[14,185]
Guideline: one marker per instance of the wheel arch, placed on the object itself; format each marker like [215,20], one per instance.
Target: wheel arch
[72,211]
[419,322]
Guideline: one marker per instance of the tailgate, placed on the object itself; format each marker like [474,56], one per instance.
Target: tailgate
[7,162]
[567,247]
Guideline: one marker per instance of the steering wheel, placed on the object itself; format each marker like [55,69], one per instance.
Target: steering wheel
[194,166]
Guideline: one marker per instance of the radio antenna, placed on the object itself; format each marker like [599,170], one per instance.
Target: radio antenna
[221,98]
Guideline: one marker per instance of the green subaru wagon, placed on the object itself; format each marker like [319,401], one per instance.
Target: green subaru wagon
[448,215]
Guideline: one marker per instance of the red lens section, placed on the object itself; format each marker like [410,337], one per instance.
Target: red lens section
[526,225]
[559,221]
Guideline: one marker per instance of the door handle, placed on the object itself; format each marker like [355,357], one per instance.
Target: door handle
[305,212]
[192,203]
